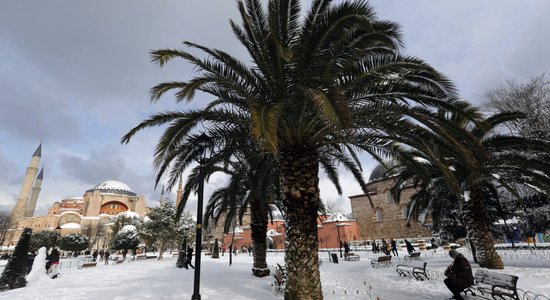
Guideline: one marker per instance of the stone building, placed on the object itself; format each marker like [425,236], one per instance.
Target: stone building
[387,219]
[98,206]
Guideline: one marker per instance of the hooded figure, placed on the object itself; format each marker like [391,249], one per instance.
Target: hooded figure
[459,274]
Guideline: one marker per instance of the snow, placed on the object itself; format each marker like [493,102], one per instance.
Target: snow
[38,276]
[152,279]
[128,227]
[113,185]
[129,214]
[70,226]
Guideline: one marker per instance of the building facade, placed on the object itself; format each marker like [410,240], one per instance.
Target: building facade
[386,219]
[97,207]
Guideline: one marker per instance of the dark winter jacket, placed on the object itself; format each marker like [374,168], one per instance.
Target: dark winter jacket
[462,272]
[54,256]
[189,254]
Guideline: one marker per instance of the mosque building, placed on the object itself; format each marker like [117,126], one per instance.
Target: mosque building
[98,205]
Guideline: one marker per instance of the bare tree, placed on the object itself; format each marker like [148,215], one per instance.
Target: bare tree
[5,224]
[531,98]
[93,232]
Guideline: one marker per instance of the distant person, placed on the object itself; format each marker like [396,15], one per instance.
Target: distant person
[393,245]
[346,247]
[384,245]
[459,274]
[54,263]
[94,256]
[190,257]
[373,247]
[101,254]
[410,247]
[434,244]
[107,254]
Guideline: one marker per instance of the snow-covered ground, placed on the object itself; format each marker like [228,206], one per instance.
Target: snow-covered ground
[152,279]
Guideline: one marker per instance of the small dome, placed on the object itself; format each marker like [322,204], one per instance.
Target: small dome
[113,187]
[379,171]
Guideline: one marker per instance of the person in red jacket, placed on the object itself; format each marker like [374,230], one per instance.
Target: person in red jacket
[54,263]
[459,274]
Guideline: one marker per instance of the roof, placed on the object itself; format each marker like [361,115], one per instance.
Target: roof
[113,187]
[379,171]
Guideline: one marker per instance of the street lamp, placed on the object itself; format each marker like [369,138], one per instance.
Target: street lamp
[202,144]
[339,241]
[58,231]
[338,225]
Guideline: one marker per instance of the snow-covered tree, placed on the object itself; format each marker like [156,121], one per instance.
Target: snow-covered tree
[73,242]
[163,227]
[43,239]
[14,273]
[126,239]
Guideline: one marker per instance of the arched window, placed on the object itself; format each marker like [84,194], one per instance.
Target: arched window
[379,215]
[113,208]
[389,197]
[404,211]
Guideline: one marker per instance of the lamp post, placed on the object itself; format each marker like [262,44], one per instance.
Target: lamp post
[339,241]
[202,143]
[58,231]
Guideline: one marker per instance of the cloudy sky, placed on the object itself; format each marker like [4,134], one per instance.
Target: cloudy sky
[76,74]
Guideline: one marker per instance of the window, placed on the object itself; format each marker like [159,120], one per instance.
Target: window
[379,215]
[404,211]
[389,197]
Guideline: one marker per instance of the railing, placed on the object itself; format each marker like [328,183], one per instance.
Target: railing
[528,295]
[363,290]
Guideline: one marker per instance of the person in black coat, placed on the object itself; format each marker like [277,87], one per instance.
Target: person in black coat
[346,247]
[459,274]
[410,247]
[189,257]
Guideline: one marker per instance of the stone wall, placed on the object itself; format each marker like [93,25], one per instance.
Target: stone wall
[387,219]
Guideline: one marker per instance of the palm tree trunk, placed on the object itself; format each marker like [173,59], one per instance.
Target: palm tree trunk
[258,226]
[300,189]
[479,232]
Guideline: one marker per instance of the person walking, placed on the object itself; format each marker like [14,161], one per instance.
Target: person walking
[459,274]
[107,254]
[101,253]
[410,247]
[346,247]
[94,256]
[384,245]
[54,263]
[190,257]
[393,245]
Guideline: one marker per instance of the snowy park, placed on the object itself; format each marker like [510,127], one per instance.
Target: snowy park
[154,279]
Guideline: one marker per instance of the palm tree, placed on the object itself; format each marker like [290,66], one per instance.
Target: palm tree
[474,160]
[326,82]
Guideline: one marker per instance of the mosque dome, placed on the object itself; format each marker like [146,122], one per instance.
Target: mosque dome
[380,170]
[113,187]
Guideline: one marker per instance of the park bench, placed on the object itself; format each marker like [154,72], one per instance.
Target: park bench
[497,285]
[351,257]
[419,273]
[88,265]
[382,261]
[141,257]
[151,256]
[280,280]
[412,256]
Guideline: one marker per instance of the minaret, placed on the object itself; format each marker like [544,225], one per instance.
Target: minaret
[162,196]
[18,212]
[34,196]
[180,193]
